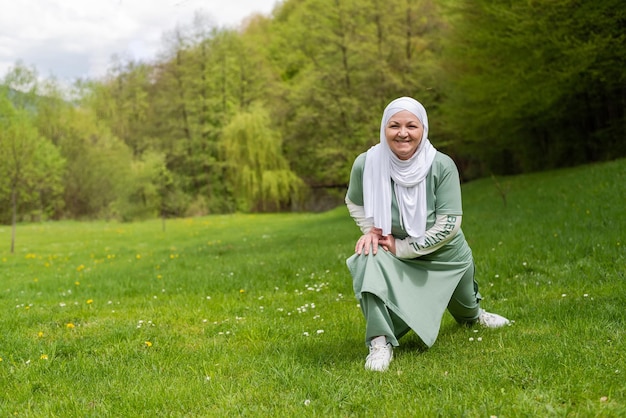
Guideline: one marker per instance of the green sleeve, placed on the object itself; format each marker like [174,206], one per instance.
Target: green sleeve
[447,186]
[355,188]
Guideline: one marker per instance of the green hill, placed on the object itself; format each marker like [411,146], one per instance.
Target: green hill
[253,315]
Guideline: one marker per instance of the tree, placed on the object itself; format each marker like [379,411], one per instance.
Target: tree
[534,85]
[342,61]
[98,165]
[31,169]
[258,172]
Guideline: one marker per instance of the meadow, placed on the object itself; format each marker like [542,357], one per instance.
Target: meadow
[254,315]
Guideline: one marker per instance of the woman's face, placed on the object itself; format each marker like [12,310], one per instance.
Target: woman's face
[404,134]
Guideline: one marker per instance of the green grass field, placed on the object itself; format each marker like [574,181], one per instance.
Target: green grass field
[253,315]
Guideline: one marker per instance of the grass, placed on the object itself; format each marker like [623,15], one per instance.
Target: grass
[253,315]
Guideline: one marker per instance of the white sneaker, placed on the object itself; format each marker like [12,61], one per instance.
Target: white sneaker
[491,320]
[379,357]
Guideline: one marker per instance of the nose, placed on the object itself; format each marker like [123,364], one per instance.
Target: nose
[403,132]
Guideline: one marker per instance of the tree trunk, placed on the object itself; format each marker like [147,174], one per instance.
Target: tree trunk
[14,217]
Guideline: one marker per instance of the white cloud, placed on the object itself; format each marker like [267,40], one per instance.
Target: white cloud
[77,38]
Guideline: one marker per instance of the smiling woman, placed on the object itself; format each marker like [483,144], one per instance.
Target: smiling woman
[404,134]
[406,198]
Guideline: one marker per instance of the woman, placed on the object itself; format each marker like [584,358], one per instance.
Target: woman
[406,198]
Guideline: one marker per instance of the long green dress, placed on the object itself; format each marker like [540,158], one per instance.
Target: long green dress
[416,290]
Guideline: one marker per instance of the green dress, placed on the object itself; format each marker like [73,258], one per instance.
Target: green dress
[417,290]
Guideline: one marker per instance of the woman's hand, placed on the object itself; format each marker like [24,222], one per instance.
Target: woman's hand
[367,241]
[388,243]
[372,240]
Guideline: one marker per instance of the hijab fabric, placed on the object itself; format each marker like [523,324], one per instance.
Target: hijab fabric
[382,166]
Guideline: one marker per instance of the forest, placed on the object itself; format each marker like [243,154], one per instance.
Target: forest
[269,116]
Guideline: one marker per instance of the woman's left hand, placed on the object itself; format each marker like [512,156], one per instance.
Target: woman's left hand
[388,243]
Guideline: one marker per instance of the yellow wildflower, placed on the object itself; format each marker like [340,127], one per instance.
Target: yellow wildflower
[148,344]
[70,325]
[44,357]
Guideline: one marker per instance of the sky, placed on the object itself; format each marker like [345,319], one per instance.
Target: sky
[70,39]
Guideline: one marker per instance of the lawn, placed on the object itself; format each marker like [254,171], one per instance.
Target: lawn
[253,315]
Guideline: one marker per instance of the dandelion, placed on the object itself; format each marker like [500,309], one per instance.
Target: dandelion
[307,402]
[138,256]
[89,301]
[241,291]
[76,284]
[148,344]
[44,357]
[70,325]
[80,268]
[40,334]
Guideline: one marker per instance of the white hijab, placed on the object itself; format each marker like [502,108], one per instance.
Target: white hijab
[382,165]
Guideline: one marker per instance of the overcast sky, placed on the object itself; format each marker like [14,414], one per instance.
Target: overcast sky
[77,38]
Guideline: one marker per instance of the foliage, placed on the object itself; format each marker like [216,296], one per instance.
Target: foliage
[534,85]
[260,176]
[31,168]
[98,165]
[509,86]
[254,315]
[341,63]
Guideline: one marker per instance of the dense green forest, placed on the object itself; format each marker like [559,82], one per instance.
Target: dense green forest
[270,116]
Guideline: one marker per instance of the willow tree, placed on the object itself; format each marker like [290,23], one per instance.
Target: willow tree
[258,172]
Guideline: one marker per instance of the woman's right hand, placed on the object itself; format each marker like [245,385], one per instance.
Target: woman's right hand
[369,240]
